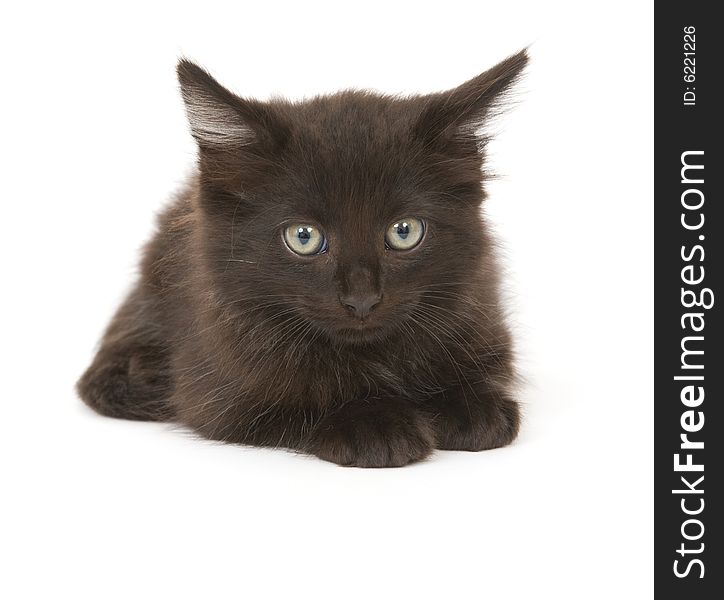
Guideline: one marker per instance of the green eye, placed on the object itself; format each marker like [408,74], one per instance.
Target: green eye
[405,234]
[305,239]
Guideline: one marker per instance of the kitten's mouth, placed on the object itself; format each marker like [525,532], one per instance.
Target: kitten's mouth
[360,331]
[351,330]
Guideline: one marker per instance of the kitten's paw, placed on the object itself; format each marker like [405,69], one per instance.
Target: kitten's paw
[129,384]
[479,427]
[376,433]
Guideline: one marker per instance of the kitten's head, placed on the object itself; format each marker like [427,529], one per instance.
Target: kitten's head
[346,212]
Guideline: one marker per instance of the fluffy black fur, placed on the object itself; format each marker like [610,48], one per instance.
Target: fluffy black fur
[361,354]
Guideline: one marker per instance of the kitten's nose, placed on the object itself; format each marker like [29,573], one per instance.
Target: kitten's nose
[361,305]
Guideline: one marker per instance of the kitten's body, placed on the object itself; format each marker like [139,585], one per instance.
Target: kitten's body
[231,334]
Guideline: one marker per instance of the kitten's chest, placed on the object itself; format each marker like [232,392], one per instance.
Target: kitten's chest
[337,377]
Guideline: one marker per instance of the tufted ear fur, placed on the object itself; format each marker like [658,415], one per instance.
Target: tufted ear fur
[221,120]
[462,110]
[239,139]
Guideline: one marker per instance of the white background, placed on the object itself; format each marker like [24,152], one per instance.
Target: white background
[94,140]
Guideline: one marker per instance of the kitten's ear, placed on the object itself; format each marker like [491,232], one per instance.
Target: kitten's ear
[219,119]
[463,109]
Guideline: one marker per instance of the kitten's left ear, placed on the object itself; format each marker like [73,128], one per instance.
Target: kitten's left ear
[221,120]
[463,109]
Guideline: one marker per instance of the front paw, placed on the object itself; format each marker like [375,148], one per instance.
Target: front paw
[374,433]
[491,422]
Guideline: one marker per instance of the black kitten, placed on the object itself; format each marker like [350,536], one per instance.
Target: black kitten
[325,282]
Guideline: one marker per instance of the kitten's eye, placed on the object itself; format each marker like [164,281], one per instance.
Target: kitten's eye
[305,239]
[405,234]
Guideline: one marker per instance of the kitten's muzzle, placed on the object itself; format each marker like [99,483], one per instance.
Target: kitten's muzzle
[361,305]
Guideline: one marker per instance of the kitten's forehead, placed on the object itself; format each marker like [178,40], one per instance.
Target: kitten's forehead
[357,112]
[355,153]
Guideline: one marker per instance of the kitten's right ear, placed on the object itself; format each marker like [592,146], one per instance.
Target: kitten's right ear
[464,109]
[219,119]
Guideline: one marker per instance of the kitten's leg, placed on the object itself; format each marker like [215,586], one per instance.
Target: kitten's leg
[377,432]
[130,377]
[474,417]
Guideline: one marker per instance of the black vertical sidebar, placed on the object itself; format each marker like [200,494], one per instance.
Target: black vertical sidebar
[689,265]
